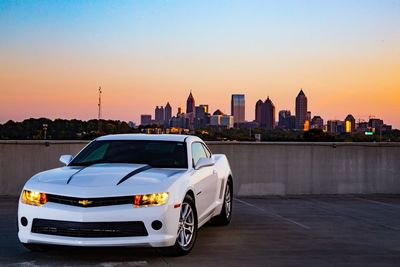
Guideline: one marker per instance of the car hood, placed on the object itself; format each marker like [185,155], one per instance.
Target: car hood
[104,179]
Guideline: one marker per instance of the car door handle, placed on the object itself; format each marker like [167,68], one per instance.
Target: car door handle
[215,172]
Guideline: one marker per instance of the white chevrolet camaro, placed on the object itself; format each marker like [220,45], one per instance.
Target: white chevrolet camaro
[128,190]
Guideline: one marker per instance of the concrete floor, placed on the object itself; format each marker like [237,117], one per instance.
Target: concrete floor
[297,231]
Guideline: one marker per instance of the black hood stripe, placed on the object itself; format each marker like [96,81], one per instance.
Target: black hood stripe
[129,175]
[70,178]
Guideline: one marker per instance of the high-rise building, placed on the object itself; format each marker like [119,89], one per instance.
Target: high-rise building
[190,108]
[200,116]
[375,124]
[159,115]
[349,124]
[317,123]
[219,119]
[167,113]
[268,115]
[145,119]
[301,110]
[284,119]
[205,108]
[238,108]
[190,103]
[259,107]
[332,126]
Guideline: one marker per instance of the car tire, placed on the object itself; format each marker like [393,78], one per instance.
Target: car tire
[185,239]
[224,218]
[36,247]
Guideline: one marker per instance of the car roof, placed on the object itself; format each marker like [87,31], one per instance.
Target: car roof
[150,137]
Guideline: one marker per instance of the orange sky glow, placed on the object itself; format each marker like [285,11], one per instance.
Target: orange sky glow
[54,72]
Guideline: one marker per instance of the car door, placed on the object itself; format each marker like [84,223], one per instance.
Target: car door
[204,182]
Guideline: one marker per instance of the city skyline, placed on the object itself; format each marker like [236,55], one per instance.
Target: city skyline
[344,54]
[198,117]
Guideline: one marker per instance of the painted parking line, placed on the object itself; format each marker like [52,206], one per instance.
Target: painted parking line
[273,214]
[378,202]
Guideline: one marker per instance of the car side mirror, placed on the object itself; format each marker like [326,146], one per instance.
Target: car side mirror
[66,159]
[204,162]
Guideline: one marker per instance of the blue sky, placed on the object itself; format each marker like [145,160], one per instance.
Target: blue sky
[257,47]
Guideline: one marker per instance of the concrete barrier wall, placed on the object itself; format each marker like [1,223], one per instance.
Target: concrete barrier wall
[313,168]
[270,168]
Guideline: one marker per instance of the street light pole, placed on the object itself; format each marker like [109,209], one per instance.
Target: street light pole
[45,130]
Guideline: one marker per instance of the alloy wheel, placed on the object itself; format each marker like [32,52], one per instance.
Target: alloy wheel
[186,225]
[228,201]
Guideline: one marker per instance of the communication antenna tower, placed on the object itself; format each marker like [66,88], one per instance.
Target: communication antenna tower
[99,111]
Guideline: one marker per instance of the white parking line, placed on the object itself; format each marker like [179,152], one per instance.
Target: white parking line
[129,263]
[378,202]
[274,214]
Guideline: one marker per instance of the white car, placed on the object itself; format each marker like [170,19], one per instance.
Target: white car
[128,190]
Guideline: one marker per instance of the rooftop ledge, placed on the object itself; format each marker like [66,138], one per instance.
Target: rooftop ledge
[332,144]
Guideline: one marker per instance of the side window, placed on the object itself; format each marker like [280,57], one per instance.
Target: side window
[208,153]
[197,152]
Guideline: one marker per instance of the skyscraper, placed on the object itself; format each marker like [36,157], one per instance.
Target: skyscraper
[190,108]
[268,115]
[301,110]
[190,103]
[284,119]
[349,124]
[238,108]
[167,113]
[159,115]
[259,106]
[199,116]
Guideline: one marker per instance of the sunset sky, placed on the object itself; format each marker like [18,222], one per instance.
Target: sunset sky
[54,55]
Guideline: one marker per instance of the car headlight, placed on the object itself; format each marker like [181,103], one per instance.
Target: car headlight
[156,199]
[33,198]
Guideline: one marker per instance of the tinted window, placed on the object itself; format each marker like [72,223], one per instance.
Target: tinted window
[159,154]
[197,152]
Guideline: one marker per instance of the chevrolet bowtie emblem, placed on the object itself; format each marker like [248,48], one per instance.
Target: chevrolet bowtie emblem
[85,202]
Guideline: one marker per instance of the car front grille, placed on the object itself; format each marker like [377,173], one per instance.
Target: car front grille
[89,202]
[88,229]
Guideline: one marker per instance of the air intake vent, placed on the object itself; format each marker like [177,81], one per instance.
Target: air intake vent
[89,229]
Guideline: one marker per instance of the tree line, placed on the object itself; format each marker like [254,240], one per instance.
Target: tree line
[61,129]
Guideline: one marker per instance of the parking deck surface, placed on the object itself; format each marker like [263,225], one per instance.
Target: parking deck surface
[276,231]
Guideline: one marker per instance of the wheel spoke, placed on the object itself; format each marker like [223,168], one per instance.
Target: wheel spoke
[189,212]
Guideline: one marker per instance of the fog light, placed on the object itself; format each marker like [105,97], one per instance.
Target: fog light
[24,221]
[156,225]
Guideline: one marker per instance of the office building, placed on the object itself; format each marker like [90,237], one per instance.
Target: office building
[317,123]
[301,110]
[190,103]
[238,108]
[190,109]
[219,119]
[167,113]
[284,119]
[258,111]
[268,115]
[349,124]
[145,119]
[159,115]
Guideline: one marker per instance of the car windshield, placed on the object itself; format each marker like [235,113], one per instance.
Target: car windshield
[158,154]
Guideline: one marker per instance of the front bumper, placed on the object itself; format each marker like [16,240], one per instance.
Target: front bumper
[166,236]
